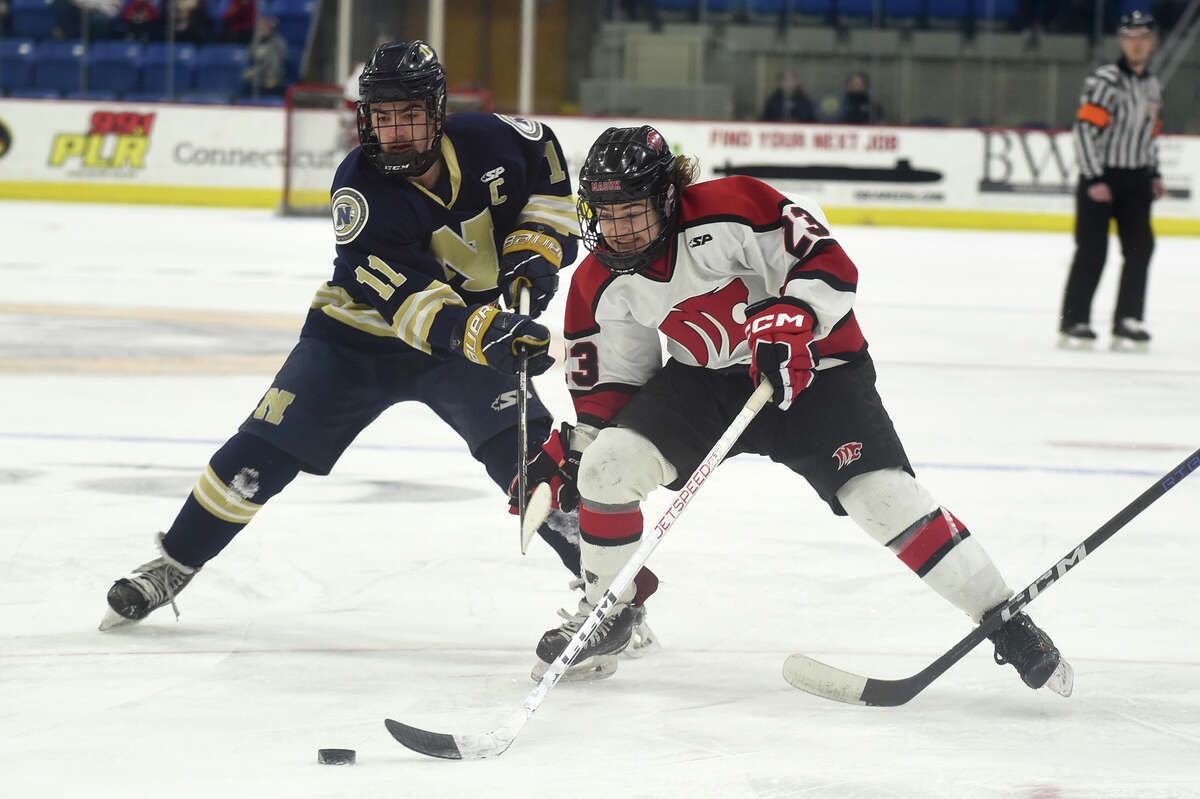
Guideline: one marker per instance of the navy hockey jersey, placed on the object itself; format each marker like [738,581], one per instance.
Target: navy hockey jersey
[404,253]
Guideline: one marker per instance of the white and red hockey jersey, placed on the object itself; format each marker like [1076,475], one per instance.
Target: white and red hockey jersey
[739,242]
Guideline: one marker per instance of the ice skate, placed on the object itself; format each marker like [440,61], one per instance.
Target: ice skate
[624,630]
[1130,335]
[147,588]
[1030,651]
[1078,336]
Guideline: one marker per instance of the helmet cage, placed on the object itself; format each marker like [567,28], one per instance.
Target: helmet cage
[400,72]
[627,165]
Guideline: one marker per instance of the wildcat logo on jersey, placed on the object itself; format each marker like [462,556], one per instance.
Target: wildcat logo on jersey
[710,326]
[848,453]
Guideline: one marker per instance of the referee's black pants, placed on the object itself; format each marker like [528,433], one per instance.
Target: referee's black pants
[1132,191]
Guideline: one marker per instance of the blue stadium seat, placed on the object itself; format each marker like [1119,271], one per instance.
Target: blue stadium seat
[146,97]
[219,68]
[154,68]
[58,65]
[32,18]
[948,9]
[856,8]
[115,66]
[35,94]
[813,7]
[91,94]
[207,98]
[903,9]
[16,64]
[294,25]
[1001,9]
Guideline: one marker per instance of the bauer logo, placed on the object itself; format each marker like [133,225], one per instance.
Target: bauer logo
[350,212]
[114,145]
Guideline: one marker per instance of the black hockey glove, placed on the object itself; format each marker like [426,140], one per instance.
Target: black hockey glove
[556,465]
[530,258]
[497,339]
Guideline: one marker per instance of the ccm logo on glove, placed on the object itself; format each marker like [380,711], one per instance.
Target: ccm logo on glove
[780,334]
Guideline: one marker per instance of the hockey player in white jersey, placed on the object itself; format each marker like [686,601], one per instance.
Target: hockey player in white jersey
[745,285]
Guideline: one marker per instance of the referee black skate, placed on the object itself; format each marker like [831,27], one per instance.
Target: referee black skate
[1116,145]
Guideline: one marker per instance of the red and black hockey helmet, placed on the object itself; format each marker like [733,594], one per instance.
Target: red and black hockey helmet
[623,166]
[399,71]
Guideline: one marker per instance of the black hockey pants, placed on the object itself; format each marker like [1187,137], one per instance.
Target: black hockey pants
[1132,191]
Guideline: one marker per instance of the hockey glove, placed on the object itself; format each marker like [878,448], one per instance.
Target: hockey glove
[780,334]
[530,258]
[556,465]
[497,339]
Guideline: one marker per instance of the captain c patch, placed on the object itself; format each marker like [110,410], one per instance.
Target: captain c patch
[350,214]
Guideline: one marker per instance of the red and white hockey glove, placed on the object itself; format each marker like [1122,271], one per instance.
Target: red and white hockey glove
[556,465]
[780,334]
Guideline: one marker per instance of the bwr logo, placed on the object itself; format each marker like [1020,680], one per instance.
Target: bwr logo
[848,453]
[700,240]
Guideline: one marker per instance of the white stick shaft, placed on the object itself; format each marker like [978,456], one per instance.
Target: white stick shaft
[650,541]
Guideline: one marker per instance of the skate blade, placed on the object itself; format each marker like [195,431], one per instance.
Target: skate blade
[113,619]
[643,642]
[1062,680]
[1125,345]
[1074,343]
[594,668]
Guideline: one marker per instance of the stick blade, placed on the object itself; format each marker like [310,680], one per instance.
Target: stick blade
[535,513]
[823,680]
[450,747]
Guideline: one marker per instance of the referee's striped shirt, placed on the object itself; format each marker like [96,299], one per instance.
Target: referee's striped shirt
[1118,121]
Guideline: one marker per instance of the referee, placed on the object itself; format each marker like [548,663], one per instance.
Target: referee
[1115,134]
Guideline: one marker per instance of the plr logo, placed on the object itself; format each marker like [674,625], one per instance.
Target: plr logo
[114,140]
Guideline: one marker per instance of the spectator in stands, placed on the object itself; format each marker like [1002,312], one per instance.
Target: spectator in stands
[788,103]
[66,19]
[237,23]
[857,106]
[192,23]
[4,14]
[143,20]
[268,56]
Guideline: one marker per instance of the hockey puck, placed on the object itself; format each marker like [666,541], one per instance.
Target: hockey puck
[335,757]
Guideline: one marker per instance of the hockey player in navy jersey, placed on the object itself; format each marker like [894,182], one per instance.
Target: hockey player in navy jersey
[435,219]
[745,285]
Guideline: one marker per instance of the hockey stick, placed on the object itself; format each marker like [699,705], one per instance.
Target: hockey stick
[494,743]
[523,423]
[832,683]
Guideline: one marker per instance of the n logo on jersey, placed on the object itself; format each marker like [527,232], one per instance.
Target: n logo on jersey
[848,453]
[470,260]
[712,325]
[350,214]
[273,404]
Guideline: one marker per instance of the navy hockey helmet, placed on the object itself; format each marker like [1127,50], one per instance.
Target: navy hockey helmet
[1136,21]
[396,72]
[627,165]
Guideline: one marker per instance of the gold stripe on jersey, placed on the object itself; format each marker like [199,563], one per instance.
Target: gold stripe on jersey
[450,158]
[336,303]
[548,209]
[222,501]
[415,315]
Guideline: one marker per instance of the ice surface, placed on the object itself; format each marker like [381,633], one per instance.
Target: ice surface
[133,340]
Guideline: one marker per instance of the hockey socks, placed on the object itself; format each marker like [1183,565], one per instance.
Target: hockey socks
[608,537]
[238,481]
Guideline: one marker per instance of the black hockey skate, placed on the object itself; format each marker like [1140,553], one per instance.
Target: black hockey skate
[1078,336]
[623,631]
[147,588]
[1130,335]
[1023,644]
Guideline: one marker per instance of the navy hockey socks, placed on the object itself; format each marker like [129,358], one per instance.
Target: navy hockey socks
[238,481]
